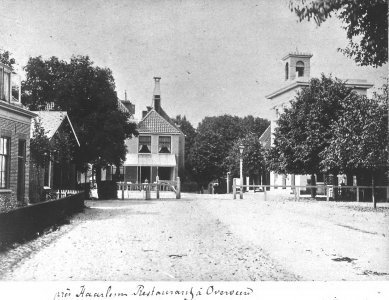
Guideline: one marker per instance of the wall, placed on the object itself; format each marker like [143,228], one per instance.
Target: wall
[16,127]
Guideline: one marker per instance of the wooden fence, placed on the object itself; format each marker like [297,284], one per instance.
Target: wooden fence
[329,190]
[146,188]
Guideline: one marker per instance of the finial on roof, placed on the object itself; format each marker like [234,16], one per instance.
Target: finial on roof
[125,95]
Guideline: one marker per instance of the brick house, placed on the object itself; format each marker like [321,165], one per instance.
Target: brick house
[158,150]
[15,122]
[296,76]
[54,174]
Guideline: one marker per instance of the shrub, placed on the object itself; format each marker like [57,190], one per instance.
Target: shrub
[107,190]
[189,187]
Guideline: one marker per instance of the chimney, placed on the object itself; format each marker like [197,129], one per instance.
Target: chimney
[157,94]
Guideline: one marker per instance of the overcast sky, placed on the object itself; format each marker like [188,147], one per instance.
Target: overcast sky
[214,57]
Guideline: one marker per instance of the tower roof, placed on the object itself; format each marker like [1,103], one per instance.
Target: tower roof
[297,54]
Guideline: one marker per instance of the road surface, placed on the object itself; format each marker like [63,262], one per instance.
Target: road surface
[209,238]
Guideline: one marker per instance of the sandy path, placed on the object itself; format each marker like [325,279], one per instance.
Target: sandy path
[146,240]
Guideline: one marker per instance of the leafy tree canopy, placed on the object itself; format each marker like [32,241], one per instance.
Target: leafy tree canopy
[359,136]
[253,156]
[87,93]
[214,140]
[190,134]
[366,24]
[304,129]
[7,59]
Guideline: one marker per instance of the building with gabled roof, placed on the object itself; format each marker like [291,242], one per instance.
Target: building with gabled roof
[159,148]
[54,174]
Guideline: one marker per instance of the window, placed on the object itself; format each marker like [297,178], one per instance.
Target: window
[286,71]
[164,145]
[144,144]
[4,161]
[5,84]
[300,69]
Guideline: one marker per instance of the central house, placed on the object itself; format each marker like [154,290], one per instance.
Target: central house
[159,148]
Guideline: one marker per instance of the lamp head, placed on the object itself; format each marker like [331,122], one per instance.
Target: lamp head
[241,148]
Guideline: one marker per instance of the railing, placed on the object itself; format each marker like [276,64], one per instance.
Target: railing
[341,193]
[62,193]
[160,185]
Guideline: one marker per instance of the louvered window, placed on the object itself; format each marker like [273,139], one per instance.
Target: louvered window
[144,144]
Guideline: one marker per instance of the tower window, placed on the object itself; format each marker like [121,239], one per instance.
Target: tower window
[300,69]
[286,71]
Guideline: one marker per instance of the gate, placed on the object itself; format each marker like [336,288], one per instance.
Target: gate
[147,191]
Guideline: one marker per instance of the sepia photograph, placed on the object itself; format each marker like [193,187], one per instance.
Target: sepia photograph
[194,149]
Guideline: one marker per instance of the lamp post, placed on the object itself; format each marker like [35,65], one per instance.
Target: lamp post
[241,148]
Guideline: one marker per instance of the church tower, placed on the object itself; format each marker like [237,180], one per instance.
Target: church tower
[297,65]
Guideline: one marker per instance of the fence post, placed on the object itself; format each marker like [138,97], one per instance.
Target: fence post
[328,192]
[372,193]
[265,192]
[241,189]
[157,179]
[234,187]
[122,190]
[178,193]
[357,193]
[298,193]
[228,182]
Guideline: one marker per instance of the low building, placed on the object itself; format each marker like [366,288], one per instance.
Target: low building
[296,76]
[159,148]
[15,123]
[55,174]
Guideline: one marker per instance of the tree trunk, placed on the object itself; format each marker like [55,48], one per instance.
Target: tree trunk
[372,191]
[98,180]
[313,183]
[335,183]
[117,174]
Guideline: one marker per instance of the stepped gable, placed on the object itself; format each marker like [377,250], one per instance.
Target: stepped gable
[153,122]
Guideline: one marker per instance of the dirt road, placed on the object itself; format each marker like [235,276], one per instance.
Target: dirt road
[209,238]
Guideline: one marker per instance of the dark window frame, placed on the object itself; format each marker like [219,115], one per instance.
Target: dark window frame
[165,146]
[145,145]
[5,159]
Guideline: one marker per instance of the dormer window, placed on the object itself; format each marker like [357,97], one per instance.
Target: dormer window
[300,69]
[286,71]
[144,144]
[164,144]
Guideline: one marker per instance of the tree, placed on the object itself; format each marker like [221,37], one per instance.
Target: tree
[40,149]
[88,94]
[253,157]
[214,140]
[359,140]
[304,129]
[366,23]
[190,134]
[5,58]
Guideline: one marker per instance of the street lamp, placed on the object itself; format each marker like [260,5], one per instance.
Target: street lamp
[241,148]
